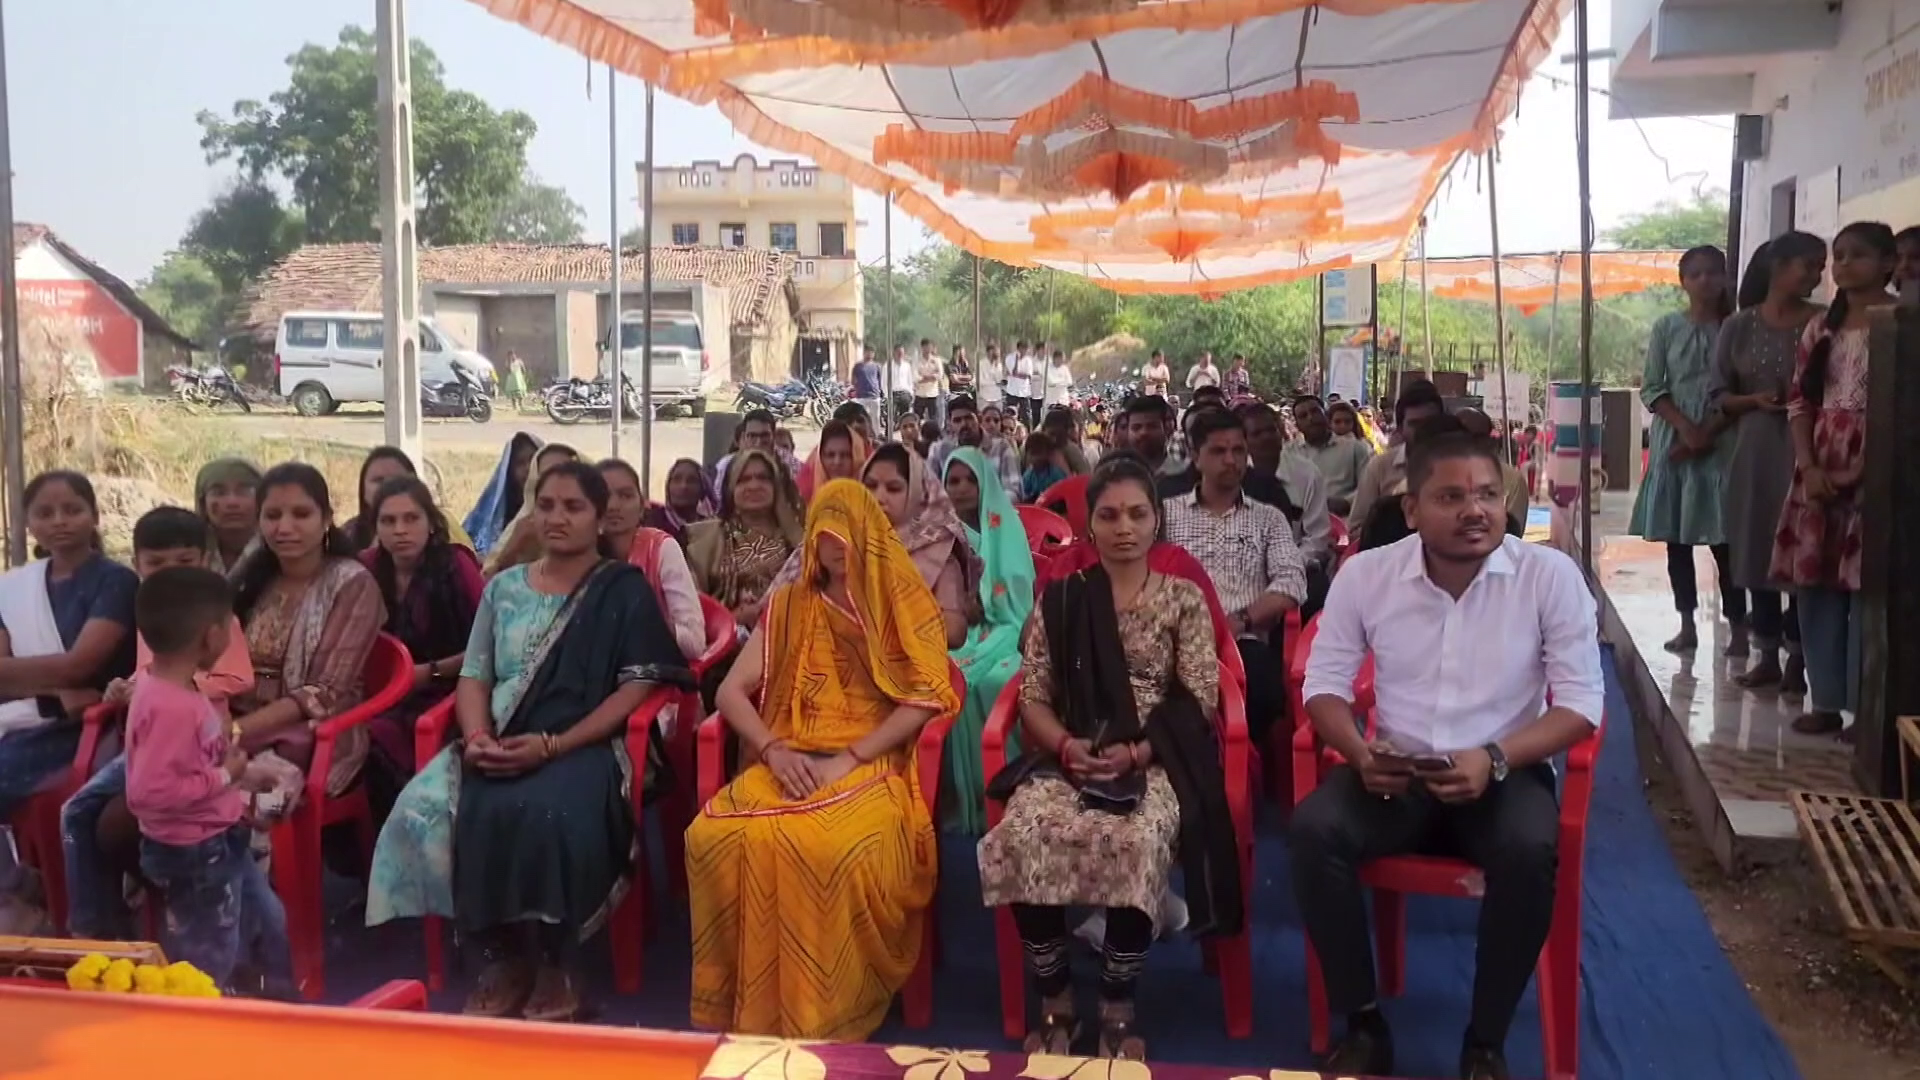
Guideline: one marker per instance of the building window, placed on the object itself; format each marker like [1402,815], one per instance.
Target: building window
[833,239]
[733,234]
[783,236]
[686,233]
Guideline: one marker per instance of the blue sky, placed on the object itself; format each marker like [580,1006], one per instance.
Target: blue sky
[106,151]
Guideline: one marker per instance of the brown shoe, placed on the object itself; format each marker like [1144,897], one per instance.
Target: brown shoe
[1764,672]
[554,999]
[502,990]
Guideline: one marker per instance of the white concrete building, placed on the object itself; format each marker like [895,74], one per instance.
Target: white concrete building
[785,206]
[1829,91]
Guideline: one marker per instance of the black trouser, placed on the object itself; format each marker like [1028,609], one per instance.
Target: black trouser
[1266,684]
[1771,625]
[1686,587]
[1318,582]
[923,407]
[1043,932]
[1511,833]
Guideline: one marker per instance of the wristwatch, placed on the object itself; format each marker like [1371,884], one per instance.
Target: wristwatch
[1499,759]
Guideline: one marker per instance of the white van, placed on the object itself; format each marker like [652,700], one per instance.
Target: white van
[680,359]
[323,359]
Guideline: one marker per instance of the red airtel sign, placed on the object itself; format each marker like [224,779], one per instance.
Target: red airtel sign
[111,330]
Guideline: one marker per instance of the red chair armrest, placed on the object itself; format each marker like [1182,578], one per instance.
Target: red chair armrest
[712,765]
[400,995]
[721,639]
[639,731]
[1576,791]
[430,731]
[93,727]
[993,738]
[1236,744]
[379,700]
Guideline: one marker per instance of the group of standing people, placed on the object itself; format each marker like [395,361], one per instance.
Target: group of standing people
[1757,451]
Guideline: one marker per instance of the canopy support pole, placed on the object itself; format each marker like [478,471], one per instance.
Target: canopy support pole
[399,251]
[646,301]
[12,415]
[1398,373]
[976,312]
[886,381]
[1426,302]
[1582,133]
[616,356]
[1553,316]
[1499,305]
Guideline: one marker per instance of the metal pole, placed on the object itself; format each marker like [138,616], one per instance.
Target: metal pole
[886,373]
[11,388]
[1398,371]
[976,309]
[646,300]
[616,355]
[1426,301]
[1582,134]
[1320,334]
[1553,318]
[1499,305]
[1370,392]
[399,252]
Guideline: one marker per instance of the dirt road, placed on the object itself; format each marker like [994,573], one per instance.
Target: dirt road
[672,439]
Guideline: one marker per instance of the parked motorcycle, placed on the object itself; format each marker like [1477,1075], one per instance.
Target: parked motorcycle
[784,401]
[575,400]
[460,396]
[825,394]
[209,389]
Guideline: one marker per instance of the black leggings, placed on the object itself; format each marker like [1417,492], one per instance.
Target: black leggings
[1771,624]
[1686,587]
[1043,931]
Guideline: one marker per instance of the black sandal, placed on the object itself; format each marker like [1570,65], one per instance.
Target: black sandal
[1056,1035]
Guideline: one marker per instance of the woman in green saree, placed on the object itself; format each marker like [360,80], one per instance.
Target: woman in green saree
[991,653]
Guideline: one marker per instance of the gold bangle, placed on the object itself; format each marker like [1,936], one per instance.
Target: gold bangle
[547,743]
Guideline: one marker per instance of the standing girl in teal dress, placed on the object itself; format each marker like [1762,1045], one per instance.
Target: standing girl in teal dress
[990,656]
[1679,504]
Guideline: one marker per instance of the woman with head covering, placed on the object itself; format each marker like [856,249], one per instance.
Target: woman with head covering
[654,552]
[690,498]
[841,453]
[505,494]
[226,493]
[521,542]
[735,556]
[810,873]
[990,653]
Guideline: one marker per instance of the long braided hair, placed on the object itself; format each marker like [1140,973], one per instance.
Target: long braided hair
[1813,382]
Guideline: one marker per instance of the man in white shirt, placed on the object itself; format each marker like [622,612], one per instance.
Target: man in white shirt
[992,377]
[899,387]
[1471,632]
[1020,381]
[1203,373]
[1305,488]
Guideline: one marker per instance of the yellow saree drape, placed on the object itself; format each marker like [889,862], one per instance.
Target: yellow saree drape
[807,915]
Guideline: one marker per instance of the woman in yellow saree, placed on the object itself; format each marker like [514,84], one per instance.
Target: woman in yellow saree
[810,873]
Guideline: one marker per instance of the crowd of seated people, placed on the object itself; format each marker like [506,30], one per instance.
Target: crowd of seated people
[857,579]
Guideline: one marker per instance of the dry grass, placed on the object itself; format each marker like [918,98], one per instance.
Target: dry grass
[142,452]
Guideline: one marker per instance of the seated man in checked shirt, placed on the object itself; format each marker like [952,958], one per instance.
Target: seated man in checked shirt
[1248,550]
[1471,632]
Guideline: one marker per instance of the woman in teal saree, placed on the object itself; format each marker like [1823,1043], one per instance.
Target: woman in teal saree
[990,656]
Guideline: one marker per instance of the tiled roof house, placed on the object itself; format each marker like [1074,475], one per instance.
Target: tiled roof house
[131,342]
[547,302]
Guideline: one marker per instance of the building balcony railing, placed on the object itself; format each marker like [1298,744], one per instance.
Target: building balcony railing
[824,271]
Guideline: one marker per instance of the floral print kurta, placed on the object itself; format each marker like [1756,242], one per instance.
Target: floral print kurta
[1048,851]
[1818,544]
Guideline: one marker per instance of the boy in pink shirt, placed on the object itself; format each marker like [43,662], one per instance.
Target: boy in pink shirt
[100,841]
[185,788]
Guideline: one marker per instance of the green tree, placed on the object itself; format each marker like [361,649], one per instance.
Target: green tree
[186,291]
[1672,224]
[316,135]
[241,233]
[538,213]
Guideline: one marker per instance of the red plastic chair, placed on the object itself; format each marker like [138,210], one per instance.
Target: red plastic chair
[916,998]
[1231,958]
[679,807]
[36,823]
[1557,977]
[626,929]
[1068,498]
[1046,530]
[388,677]
[1339,539]
[1279,751]
[398,995]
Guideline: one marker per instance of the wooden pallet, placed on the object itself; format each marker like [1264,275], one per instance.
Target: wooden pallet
[1869,852]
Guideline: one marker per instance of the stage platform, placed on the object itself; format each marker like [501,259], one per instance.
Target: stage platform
[1733,750]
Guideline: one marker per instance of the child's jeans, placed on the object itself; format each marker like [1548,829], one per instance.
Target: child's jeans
[220,910]
[96,902]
